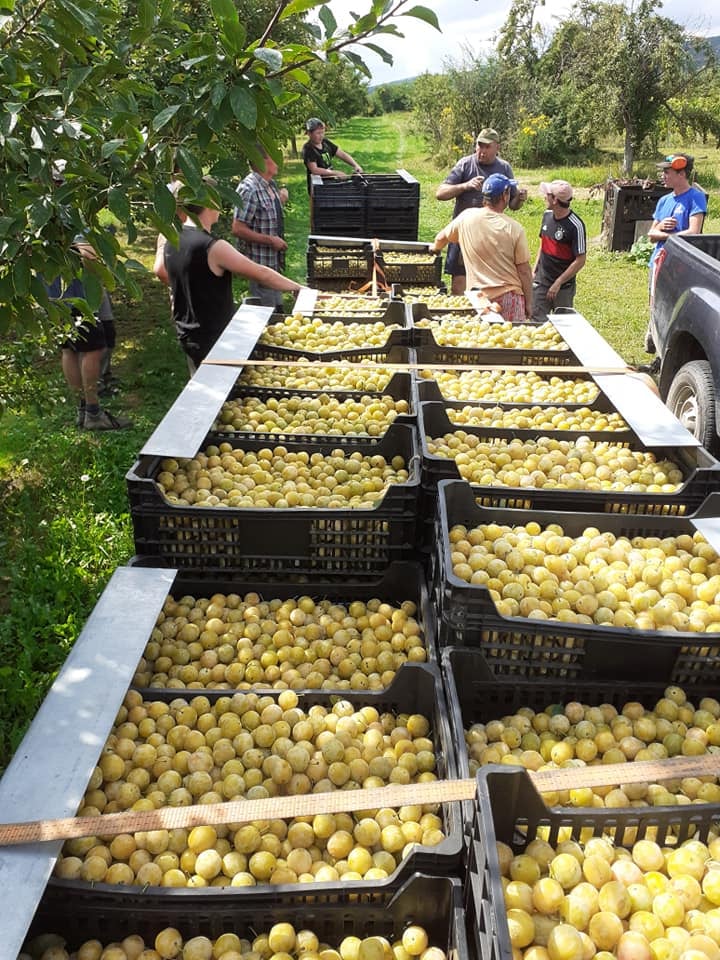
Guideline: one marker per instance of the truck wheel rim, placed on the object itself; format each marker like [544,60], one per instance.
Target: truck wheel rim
[686,410]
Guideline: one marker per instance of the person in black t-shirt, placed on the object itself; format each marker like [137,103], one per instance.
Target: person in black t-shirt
[199,272]
[318,154]
[562,253]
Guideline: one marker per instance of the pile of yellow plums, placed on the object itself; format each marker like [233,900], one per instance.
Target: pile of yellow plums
[469,331]
[234,642]
[190,751]
[231,477]
[575,734]
[315,375]
[317,336]
[322,414]
[552,463]
[581,419]
[647,583]
[511,386]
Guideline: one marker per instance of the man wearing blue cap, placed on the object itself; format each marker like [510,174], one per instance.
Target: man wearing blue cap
[464,185]
[495,250]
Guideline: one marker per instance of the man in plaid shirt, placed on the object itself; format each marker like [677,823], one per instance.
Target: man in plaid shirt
[259,225]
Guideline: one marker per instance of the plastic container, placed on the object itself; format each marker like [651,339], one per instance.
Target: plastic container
[417,692]
[317,362]
[550,649]
[474,695]
[430,351]
[393,316]
[331,258]
[401,387]
[429,389]
[701,472]
[429,271]
[400,582]
[399,291]
[337,207]
[268,543]
[509,809]
[431,901]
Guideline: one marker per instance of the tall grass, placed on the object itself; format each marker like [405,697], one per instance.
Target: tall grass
[64,523]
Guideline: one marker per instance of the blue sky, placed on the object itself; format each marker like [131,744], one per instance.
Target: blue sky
[474,24]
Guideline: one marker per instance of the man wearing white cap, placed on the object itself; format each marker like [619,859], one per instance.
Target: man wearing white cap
[562,253]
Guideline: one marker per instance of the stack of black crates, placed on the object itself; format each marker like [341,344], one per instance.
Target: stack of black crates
[382,205]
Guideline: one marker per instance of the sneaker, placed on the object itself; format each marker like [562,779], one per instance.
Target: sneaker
[105,421]
[651,368]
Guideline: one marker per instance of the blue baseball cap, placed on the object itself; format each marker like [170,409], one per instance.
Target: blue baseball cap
[496,184]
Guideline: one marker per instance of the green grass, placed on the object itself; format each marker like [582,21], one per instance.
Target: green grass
[64,523]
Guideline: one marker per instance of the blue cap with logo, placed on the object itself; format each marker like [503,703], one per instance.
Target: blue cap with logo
[496,184]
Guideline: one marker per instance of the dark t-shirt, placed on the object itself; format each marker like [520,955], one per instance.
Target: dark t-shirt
[202,302]
[561,241]
[321,155]
[466,169]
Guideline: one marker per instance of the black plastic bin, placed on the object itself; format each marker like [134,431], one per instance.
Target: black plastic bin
[435,902]
[474,695]
[427,271]
[623,206]
[701,472]
[266,543]
[522,647]
[416,692]
[509,809]
[400,582]
[330,258]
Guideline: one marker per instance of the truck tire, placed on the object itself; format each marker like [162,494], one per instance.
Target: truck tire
[691,398]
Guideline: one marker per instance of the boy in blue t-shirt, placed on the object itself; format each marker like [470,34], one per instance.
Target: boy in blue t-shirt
[680,212]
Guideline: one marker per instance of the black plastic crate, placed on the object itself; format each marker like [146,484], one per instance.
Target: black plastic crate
[373,356]
[600,405]
[509,809]
[415,692]
[393,190]
[624,205]
[522,647]
[414,291]
[400,582]
[401,387]
[337,207]
[433,902]
[298,542]
[328,258]
[429,271]
[701,472]
[393,224]
[429,389]
[433,352]
[474,695]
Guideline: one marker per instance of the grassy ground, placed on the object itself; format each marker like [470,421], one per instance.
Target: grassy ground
[64,523]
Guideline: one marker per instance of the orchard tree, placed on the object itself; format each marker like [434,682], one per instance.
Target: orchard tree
[125,93]
[626,63]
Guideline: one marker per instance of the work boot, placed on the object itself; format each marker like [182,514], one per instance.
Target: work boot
[105,421]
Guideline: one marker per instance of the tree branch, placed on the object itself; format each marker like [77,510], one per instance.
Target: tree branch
[272,23]
[24,24]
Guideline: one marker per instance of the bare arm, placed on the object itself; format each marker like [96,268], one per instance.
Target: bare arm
[241,230]
[662,229]
[568,273]
[346,158]
[518,199]
[325,172]
[448,191]
[159,265]
[222,256]
[441,240]
[525,274]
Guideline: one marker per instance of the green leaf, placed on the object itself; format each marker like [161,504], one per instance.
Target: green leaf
[193,62]
[164,202]
[358,62]
[21,276]
[327,20]
[147,11]
[39,214]
[109,148]
[299,6]
[190,167]
[383,54]
[423,13]
[227,19]
[270,56]
[217,94]
[160,119]
[243,106]
[228,168]
[93,289]
[118,203]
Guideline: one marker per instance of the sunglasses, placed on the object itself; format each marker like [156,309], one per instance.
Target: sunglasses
[676,163]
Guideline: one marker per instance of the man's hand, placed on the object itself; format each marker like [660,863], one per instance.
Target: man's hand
[277,243]
[340,175]
[474,184]
[284,195]
[669,224]
[553,290]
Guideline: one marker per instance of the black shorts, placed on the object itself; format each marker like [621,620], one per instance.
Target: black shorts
[454,263]
[87,338]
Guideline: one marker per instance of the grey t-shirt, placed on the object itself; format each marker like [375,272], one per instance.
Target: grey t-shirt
[468,167]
